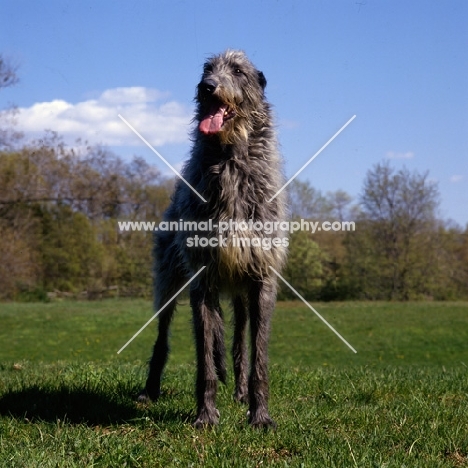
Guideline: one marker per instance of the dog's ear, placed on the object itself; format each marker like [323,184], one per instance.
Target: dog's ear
[262,80]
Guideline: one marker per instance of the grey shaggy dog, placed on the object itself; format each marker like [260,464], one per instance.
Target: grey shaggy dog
[235,165]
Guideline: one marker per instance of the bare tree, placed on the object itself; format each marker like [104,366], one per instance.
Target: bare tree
[8,77]
[394,243]
[341,207]
[306,201]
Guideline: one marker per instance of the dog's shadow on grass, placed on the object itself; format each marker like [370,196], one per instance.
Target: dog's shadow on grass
[83,407]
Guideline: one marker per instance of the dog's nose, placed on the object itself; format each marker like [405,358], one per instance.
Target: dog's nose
[208,86]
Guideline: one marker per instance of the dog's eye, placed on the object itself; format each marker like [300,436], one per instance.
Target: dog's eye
[238,71]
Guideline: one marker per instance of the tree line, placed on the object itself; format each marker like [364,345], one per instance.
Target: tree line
[59,235]
[401,249]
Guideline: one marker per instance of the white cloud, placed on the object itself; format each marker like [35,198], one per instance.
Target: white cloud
[456,178]
[160,121]
[132,95]
[397,155]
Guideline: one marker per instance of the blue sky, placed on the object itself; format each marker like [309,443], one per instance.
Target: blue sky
[400,66]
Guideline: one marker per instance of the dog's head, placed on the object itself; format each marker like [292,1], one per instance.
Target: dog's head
[230,94]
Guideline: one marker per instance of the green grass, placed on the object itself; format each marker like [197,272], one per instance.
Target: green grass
[66,397]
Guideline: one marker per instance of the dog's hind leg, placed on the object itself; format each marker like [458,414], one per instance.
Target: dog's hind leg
[168,280]
[159,357]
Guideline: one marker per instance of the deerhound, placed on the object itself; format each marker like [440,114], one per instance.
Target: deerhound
[236,167]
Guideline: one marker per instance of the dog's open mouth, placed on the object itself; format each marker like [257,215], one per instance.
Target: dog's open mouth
[212,122]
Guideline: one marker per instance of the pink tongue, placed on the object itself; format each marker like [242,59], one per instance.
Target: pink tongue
[212,122]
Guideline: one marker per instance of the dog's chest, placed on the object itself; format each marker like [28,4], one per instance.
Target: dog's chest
[240,190]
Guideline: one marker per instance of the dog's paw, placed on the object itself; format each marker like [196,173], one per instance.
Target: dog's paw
[261,421]
[241,396]
[206,418]
[146,397]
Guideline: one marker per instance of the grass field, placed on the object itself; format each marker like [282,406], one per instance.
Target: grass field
[66,396]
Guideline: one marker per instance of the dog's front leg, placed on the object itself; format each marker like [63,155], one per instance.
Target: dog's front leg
[239,349]
[262,297]
[206,321]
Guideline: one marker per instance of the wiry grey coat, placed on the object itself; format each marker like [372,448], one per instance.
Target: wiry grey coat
[235,165]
